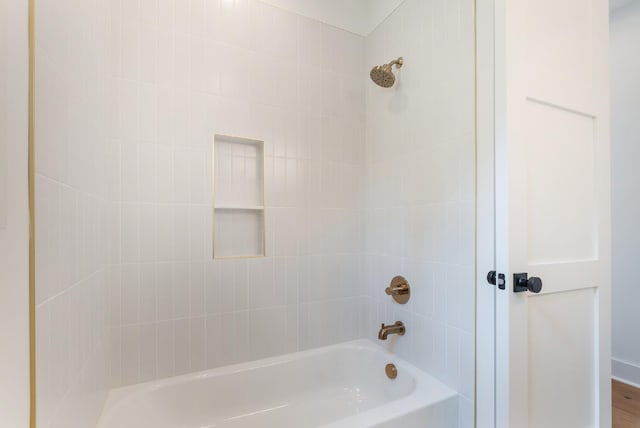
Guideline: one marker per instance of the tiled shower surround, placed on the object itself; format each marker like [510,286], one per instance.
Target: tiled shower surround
[72,205]
[420,191]
[187,69]
[362,183]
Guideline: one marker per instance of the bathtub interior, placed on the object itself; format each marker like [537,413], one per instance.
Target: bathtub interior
[308,389]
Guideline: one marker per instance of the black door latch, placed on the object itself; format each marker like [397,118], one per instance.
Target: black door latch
[491,278]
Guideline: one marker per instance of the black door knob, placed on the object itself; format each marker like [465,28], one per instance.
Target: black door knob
[534,284]
[521,282]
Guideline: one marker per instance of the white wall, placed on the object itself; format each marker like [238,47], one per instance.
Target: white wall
[182,71]
[625,199]
[71,206]
[14,230]
[616,4]
[420,163]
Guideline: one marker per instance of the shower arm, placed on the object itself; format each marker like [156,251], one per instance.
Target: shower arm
[397,62]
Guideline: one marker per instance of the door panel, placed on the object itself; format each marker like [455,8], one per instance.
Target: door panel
[561,359]
[552,211]
[559,52]
[561,203]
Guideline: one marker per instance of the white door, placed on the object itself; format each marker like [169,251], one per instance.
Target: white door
[552,213]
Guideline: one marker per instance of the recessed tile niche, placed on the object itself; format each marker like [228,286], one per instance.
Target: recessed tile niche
[238,197]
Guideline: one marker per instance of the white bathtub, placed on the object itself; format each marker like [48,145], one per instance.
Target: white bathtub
[341,386]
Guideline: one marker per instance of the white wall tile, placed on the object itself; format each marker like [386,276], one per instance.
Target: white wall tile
[200,181]
[234,75]
[197,17]
[43,363]
[181,346]
[165,232]
[166,15]
[148,236]
[148,112]
[241,285]
[181,16]
[148,40]
[129,109]
[130,47]
[148,352]
[261,325]
[197,344]
[452,352]
[229,22]
[130,230]
[115,298]
[261,282]
[213,342]
[181,232]
[115,357]
[467,365]
[180,290]
[43,231]
[197,299]
[181,175]
[213,287]
[148,294]
[51,156]
[130,349]
[114,225]
[439,364]
[164,291]
[199,215]
[165,347]
[130,294]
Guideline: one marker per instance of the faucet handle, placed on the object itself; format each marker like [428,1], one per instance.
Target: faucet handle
[399,289]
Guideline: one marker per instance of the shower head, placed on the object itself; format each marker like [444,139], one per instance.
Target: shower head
[382,74]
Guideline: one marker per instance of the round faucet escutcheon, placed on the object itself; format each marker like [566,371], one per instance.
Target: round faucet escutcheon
[399,289]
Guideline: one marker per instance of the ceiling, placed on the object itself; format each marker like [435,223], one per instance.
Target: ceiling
[357,16]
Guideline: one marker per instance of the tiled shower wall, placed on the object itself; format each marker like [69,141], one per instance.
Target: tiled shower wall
[134,193]
[4,102]
[182,71]
[72,345]
[420,191]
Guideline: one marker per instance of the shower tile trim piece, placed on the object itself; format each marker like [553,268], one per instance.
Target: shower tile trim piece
[246,212]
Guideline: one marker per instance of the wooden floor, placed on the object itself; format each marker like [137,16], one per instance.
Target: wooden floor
[626,405]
